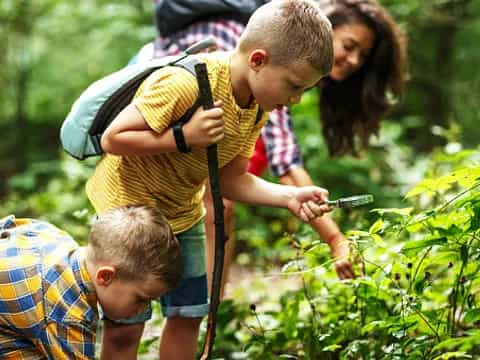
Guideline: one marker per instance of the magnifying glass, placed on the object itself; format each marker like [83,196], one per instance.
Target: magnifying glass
[351,201]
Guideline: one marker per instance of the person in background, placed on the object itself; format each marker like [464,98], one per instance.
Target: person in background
[367,77]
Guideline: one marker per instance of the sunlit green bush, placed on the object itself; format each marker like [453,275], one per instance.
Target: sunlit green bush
[416,296]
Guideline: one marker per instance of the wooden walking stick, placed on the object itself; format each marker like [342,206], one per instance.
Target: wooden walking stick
[206,100]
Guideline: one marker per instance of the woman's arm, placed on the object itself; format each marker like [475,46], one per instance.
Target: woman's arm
[324,226]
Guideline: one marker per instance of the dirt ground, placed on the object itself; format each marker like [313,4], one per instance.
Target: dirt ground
[244,285]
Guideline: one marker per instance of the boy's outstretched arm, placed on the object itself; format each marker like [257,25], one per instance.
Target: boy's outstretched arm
[304,202]
[129,133]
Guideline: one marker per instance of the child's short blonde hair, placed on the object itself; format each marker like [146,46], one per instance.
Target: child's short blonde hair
[138,242]
[291,31]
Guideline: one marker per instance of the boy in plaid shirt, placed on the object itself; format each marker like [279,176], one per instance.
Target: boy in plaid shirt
[50,287]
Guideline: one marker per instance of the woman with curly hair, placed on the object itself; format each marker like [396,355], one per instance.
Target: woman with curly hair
[368,74]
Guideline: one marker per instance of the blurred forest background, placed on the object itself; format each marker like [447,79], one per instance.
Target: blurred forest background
[53,49]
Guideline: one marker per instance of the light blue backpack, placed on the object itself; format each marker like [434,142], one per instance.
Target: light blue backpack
[103,100]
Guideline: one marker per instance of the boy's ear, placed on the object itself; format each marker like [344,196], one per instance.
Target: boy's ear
[105,275]
[257,59]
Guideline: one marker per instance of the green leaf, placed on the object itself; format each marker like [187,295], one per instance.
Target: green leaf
[475,220]
[146,344]
[432,186]
[452,230]
[358,233]
[467,177]
[378,324]
[378,240]
[443,258]
[332,347]
[449,344]
[419,286]
[472,316]
[421,188]
[399,211]
[413,247]
[453,355]
[376,227]
[415,227]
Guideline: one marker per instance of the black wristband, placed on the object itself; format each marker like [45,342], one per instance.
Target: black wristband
[180,139]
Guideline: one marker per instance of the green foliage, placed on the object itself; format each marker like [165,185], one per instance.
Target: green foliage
[51,51]
[417,293]
[53,191]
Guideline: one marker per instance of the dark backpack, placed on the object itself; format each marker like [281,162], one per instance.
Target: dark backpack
[172,16]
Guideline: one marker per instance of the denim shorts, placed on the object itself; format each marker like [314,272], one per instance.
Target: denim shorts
[190,296]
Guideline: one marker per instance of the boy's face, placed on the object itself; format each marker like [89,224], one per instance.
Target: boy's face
[275,86]
[123,299]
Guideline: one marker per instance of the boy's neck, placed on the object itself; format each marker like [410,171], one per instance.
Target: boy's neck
[240,88]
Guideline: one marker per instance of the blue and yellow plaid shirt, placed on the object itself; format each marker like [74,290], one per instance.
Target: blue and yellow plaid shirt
[48,306]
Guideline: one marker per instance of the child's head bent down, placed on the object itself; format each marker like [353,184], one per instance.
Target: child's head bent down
[132,257]
[287,48]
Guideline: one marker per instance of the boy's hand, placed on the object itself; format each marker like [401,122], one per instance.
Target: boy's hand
[309,202]
[205,127]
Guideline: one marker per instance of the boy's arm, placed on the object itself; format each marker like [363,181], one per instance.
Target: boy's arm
[303,202]
[324,226]
[129,133]
[144,126]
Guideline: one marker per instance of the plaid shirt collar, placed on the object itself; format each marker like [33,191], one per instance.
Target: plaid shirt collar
[78,261]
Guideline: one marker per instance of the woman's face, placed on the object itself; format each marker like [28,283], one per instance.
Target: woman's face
[351,45]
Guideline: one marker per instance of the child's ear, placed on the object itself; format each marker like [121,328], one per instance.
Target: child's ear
[257,59]
[105,275]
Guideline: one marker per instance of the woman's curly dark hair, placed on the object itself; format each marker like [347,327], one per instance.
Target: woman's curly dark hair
[352,109]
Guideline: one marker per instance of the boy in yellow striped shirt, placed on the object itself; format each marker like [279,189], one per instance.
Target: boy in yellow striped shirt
[285,49]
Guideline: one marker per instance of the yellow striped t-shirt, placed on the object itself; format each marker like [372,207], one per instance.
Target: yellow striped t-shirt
[174,182]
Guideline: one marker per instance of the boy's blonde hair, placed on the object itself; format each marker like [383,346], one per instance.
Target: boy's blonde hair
[291,31]
[138,242]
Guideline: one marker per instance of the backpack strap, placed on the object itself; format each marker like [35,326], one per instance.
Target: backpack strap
[188,63]
[260,113]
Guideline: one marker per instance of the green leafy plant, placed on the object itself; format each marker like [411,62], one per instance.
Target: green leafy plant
[416,296]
